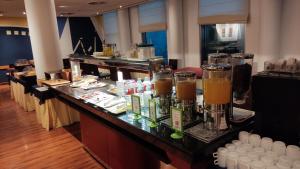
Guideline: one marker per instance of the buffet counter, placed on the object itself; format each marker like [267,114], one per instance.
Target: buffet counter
[117,141]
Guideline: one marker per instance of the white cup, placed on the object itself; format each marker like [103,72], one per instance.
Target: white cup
[242,150]
[285,160]
[296,164]
[266,143]
[279,147]
[257,165]
[272,167]
[247,146]
[254,140]
[221,157]
[237,143]
[283,166]
[244,136]
[244,162]
[232,160]
[293,152]
[220,149]
[230,147]
[253,156]
[259,150]
[268,160]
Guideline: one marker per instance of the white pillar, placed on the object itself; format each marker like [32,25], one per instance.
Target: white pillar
[136,35]
[124,30]
[44,37]
[263,31]
[191,31]
[175,31]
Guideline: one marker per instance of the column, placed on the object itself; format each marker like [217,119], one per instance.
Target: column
[136,35]
[175,31]
[124,30]
[44,37]
[191,31]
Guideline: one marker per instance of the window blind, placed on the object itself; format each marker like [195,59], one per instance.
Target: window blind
[223,11]
[110,24]
[152,16]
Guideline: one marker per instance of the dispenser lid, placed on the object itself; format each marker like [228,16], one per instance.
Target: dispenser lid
[217,67]
[218,55]
[185,74]
[243,55]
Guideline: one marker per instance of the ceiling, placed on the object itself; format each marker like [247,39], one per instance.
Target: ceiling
[15,8]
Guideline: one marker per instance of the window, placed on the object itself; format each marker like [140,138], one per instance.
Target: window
[222,38]
[159,40]
[110,23]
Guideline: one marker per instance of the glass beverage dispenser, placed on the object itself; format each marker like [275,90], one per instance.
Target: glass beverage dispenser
[163,89]
[216,58]
[185,83]
[217,89]
[76,71]
[242,71]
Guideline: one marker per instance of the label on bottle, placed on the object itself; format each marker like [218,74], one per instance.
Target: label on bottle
[152,110]
[136,104]
[176,116]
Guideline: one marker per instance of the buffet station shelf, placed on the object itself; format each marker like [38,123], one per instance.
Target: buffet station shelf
[119,141]
[130,63]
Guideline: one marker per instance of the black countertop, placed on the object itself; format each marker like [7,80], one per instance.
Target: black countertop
[157,139]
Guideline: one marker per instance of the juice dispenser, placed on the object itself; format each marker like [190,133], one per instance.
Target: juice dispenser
[163,90]
[215,58]
[242,71]
[186,94]
[217,90]
[76,71]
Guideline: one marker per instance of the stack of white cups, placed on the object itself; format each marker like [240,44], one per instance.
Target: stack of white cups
[253,152]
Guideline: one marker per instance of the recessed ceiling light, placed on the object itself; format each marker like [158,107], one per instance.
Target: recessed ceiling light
[63,6]
[61,15]
[24,13]
[1,14]
[97,3]
[98,13]
[121,6]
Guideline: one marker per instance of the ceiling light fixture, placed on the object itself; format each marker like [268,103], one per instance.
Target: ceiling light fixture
[1,14]
[121,6]
[24,13]
[63,6]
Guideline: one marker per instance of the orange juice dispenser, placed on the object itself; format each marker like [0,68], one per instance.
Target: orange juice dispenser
[217,91]
[163,90]
[185,83]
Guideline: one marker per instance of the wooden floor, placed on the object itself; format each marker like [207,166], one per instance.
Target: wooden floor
[24,144]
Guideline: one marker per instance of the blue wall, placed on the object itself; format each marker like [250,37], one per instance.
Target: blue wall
[159,40]
[13,47]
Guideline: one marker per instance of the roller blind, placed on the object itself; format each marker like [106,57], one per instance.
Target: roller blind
[223,11]
[152,16]
[110,24]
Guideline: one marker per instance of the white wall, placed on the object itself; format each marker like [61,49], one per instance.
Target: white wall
[191,30]
[65,41]
[290,36]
